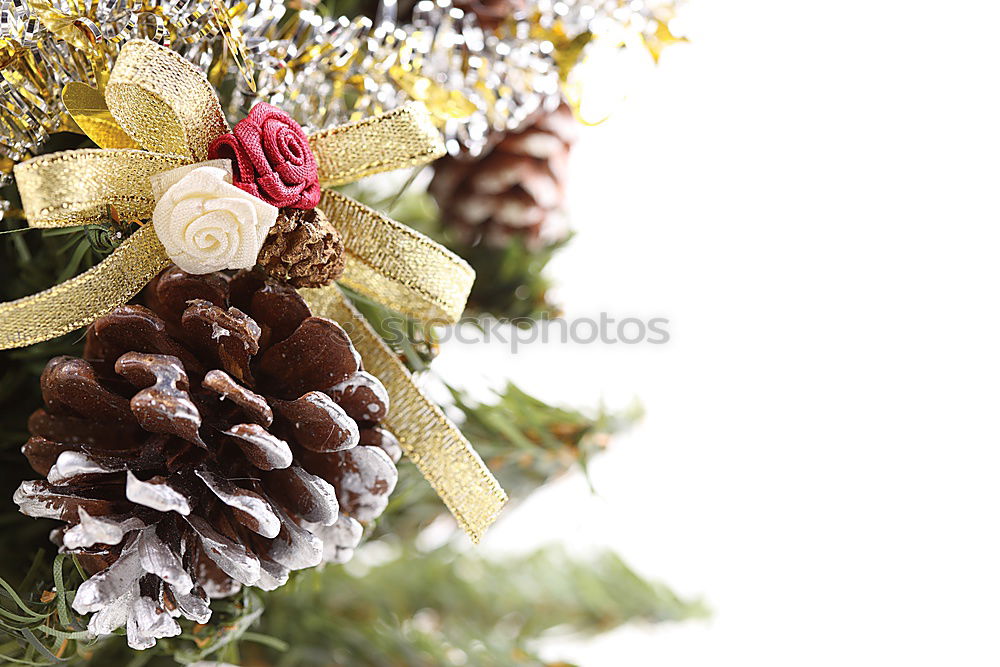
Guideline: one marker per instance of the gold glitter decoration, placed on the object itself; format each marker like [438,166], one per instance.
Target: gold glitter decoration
[445,104]
[438,449]
[475,79]
[396,266]
[45,44]
[80,300]
[235,44]
[658,34]
[161,101]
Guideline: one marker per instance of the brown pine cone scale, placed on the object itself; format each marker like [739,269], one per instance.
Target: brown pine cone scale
[217,436]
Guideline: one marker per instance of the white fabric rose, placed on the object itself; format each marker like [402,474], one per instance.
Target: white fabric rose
[207,224]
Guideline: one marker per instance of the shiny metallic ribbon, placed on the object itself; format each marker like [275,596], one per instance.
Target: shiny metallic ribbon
[166,105]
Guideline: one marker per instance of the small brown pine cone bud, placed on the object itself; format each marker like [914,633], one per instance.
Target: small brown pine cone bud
[303,248]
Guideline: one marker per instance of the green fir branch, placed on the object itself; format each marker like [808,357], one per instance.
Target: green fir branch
[447,607]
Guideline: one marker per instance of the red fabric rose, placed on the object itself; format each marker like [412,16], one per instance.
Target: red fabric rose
[271,158]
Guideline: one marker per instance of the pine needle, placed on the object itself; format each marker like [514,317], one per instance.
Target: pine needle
[406,186]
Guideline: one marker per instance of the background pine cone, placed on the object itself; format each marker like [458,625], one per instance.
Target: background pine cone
[216,437]
[491,13]
[303,248]
[515,190]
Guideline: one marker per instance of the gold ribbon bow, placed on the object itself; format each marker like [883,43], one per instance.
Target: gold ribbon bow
[166,105]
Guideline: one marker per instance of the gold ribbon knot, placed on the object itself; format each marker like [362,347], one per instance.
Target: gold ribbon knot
[166,105]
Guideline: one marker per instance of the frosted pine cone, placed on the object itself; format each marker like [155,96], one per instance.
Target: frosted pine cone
[515,190]
[217,437]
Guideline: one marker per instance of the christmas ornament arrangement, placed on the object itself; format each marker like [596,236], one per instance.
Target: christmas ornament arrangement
[222,431]
[192,358]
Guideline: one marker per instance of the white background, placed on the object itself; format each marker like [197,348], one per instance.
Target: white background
[808,192]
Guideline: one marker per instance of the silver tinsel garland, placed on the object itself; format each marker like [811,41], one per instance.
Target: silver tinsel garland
[322,70]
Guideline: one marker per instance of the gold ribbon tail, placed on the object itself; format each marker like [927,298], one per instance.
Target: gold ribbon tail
[397,266]
[439,450]
[81,300]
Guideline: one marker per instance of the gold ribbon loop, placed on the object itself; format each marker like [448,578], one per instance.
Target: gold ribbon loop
[90,112]
[404,137]
[76,187]
[397,266]
[164,102]
[80,300]
[439,450]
